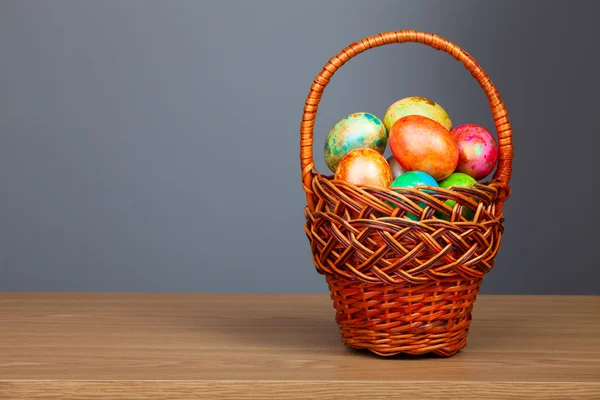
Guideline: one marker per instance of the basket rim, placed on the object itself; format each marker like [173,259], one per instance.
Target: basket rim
[385,200]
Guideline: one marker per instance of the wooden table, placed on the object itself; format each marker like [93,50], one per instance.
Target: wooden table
[157,346]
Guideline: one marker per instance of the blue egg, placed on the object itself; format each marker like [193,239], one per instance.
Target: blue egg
[413,179]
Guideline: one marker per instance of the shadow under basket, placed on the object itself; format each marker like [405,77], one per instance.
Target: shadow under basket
[404,266]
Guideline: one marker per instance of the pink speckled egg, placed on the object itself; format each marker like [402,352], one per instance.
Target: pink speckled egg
[477,150]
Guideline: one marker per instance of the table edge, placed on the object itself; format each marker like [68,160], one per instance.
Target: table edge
[325,389]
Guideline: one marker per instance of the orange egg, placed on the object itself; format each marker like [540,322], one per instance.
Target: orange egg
[364,167]
[421,144]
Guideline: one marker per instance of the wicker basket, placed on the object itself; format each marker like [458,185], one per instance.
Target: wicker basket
[398,285]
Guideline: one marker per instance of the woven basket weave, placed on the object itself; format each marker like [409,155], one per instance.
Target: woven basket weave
[398,285]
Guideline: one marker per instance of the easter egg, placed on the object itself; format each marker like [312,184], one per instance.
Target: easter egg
[477,150]
[364,167]
[413,179]
[416,106]
[461,180]
[421,144]
[395,166]
[355,131]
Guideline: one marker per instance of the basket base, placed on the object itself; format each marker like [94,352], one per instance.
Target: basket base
[423,318]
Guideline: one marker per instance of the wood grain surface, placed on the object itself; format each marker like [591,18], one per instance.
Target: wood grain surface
[151,346]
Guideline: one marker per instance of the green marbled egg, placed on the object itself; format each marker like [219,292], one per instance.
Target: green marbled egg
[355,131]
[457,179]
[416,106]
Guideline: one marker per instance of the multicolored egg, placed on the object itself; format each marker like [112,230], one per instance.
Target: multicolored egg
[416,106]
[355,131]
[477,149]
[460,180]
[413,179]
[421,144]
[364,167]
[395,166]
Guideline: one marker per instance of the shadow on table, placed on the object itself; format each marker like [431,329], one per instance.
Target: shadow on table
[284,327]
[276,332]
[301,333]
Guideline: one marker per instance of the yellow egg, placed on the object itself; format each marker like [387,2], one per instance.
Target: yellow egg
[416,106]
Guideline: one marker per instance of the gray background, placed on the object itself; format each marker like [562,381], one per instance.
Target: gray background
[153,145]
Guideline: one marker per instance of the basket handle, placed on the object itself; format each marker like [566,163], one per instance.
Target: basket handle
[503,128]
